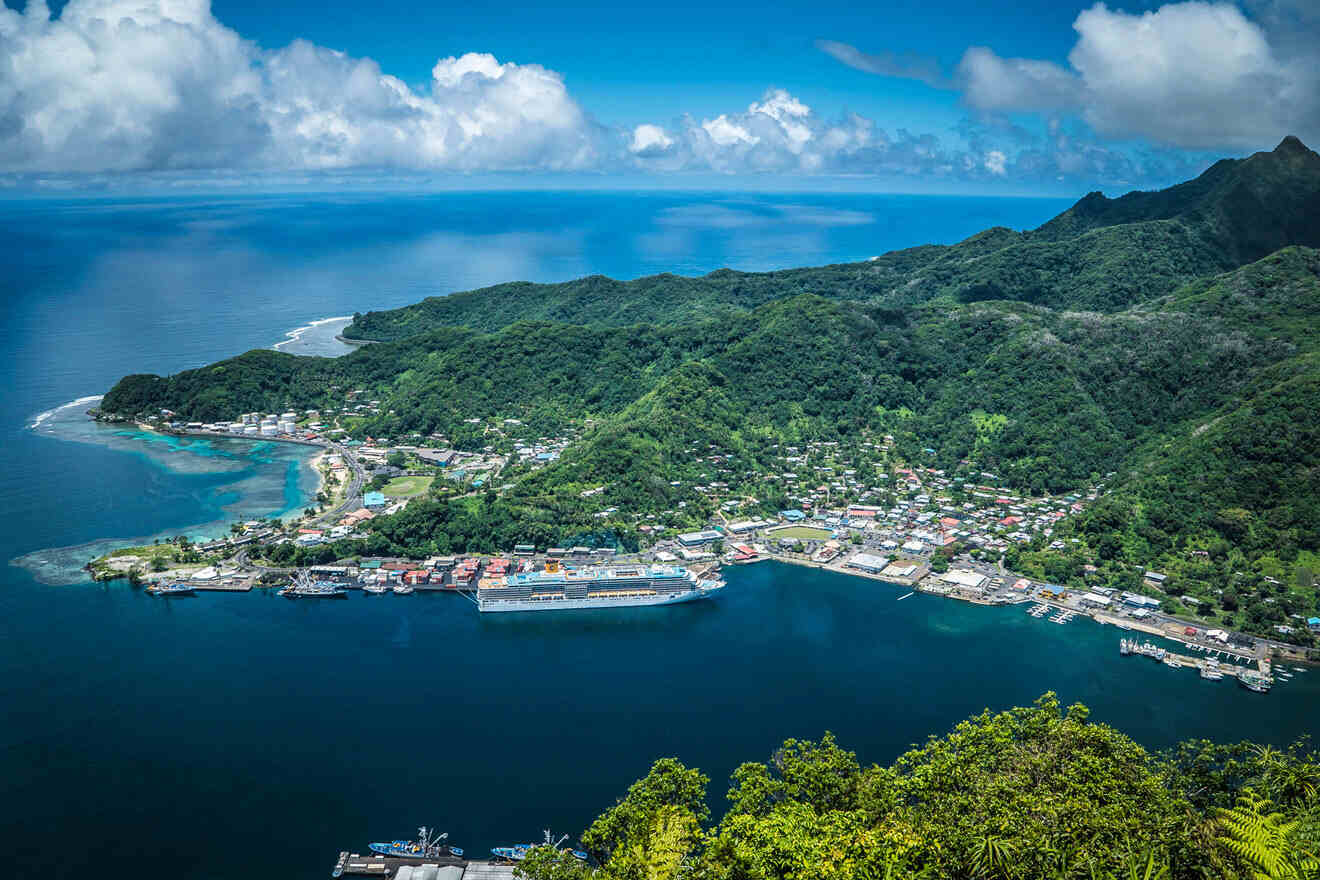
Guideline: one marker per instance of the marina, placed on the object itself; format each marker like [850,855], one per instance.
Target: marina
[1259,679]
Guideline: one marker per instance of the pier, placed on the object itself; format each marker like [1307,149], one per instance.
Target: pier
[441,868]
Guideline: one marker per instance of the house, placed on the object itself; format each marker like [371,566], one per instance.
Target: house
[1156,578]
[1313,623]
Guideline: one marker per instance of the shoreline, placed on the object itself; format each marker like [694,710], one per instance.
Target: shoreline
[295,335]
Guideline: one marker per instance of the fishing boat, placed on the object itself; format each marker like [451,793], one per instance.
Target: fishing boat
[168,590]
[519,851]
[1255,681]
[428,845]
[303,588]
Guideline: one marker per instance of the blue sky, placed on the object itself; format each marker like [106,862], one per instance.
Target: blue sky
[941,96]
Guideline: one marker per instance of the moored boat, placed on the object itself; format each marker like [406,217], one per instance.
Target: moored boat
[171,590]
[428,845]
[303,588]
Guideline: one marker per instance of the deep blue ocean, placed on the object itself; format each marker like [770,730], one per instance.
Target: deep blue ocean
[247,736]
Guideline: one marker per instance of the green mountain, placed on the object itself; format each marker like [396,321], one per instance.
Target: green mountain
[1165,343]
[1101,254]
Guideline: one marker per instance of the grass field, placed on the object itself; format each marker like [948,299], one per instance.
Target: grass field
[802,533]
[406,487]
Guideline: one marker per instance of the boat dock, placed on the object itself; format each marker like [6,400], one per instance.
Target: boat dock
[372,865]
[1255,677]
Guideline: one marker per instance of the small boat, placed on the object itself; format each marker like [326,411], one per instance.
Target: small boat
[1209,673]
[402,589]
[515,853]
[170,590]
[375,589]
[428,845]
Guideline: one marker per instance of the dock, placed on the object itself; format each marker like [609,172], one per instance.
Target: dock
[372,865]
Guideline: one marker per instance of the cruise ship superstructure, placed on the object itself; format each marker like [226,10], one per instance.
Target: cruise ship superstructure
[617,586]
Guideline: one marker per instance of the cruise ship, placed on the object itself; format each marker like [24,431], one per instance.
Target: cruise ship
[619,586]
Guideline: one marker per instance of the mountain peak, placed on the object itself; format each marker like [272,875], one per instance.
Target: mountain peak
[1291,144]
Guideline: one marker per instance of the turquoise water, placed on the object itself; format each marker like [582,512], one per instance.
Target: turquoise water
[247,736]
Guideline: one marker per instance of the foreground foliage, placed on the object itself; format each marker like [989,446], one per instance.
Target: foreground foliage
[1039,792]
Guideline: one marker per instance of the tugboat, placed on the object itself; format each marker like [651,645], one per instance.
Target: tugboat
[303,588]
[171,590]
[428,845]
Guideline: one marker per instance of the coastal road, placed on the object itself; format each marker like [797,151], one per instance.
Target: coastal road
[352,497]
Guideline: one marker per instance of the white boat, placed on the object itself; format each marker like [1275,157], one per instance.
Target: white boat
[402,589]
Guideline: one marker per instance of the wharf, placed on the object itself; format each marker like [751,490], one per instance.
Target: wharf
[444,868]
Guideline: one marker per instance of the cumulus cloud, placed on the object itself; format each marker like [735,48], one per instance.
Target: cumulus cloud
[1192,75]
[1199,75]
[112,86]
[159,84]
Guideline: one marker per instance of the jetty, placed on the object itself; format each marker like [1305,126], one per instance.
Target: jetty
[441,868]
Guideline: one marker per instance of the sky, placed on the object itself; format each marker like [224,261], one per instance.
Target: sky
[1033,96]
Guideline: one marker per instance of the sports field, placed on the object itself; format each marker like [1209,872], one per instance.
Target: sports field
[802,533]
[406,487]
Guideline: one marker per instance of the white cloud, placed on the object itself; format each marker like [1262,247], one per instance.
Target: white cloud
[993,83]
[116,86]
[650,139]
[1192,75]
[725,133]
[158,84]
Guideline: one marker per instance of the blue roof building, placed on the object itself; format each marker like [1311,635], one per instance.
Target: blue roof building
[793,515]
[373,499]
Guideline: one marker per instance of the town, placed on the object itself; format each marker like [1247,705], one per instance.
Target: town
[858,511]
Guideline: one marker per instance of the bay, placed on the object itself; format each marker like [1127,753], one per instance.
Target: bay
[248,736]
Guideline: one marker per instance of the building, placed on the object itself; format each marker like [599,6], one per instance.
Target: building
[1136,600]
[964,578]
[1156,578]
[373,500]
[696,539]
[868,562]
[793,515]
[1096,600]
[900,569]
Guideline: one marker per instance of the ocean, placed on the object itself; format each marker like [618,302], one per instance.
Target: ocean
[248,736]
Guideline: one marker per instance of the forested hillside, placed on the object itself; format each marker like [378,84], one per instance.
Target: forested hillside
[1106,346]
[1029,794]
[1101,254]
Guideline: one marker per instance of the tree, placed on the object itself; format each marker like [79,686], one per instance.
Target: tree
[668,784]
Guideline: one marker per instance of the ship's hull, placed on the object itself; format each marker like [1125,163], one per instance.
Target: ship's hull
[341,594]
[495,605]
[398,852]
